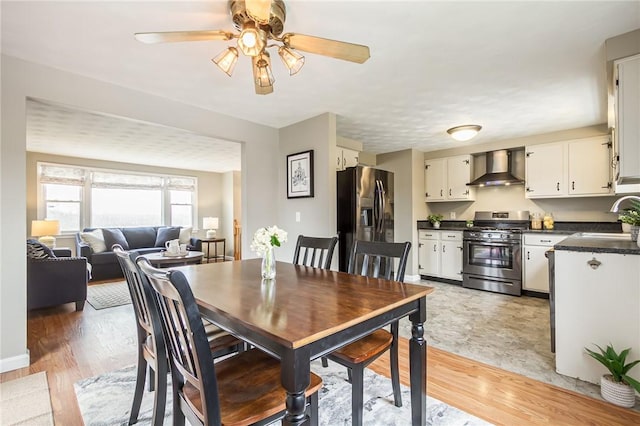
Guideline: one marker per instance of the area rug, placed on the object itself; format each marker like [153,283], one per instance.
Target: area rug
[106,400]
[26,401]
[102,296]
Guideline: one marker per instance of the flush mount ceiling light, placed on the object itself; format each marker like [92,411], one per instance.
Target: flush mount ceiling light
[464,133]
[261,22]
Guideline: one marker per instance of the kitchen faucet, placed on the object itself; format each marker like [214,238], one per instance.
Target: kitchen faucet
[616,205]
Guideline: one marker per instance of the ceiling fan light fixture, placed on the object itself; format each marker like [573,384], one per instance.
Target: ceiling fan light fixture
[464,133]
[226,60]
[251,40]
[262,76]
[291,59]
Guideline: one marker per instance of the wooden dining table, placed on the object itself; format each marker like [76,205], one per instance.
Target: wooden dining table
[306,313]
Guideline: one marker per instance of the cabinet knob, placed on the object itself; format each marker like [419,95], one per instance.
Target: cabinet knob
[594,263]
[443,249]
[558,186]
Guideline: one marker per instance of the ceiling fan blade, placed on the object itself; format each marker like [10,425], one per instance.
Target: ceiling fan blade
[173,36]
[259,10]
[323,46]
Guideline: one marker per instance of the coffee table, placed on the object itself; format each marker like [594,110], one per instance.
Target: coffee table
[159,260]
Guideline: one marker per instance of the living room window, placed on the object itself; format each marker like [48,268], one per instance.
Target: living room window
[83,197]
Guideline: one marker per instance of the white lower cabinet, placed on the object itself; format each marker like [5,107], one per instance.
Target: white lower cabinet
[597,299]
[534,262]
[440,254]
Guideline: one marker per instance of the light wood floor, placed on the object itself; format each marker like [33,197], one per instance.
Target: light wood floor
[71,346]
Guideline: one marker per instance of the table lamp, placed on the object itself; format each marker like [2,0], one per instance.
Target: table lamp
[210,224]
[45,229]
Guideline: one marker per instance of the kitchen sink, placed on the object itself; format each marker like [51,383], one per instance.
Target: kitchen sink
[606,235]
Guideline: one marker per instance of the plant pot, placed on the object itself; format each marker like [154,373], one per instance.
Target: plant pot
[617,393]
[634,232]
[437,225]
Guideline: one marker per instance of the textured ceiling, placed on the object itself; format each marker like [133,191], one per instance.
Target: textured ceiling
[54,129]
[516,68]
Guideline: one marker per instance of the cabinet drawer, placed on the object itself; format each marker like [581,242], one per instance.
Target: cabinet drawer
[428,235]
[451,235]
[542,240]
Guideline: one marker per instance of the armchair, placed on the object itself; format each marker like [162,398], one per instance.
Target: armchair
[56,280]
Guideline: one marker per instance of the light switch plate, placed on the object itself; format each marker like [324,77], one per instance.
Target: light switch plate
[297,216]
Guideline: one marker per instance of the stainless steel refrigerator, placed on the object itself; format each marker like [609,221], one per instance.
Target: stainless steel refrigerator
[365,208]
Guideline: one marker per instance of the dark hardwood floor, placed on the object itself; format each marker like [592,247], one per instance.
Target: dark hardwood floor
[71,345]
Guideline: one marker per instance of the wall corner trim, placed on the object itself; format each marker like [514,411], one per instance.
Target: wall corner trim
[14,362]
[411,278]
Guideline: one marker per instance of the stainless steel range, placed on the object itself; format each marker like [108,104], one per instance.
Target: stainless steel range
[492,252]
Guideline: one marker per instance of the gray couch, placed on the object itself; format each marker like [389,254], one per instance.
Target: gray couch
[143,239]
[56,279]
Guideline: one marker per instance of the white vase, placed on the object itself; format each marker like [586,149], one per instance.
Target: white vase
[436,225]
[268,269]
[617,393]
[634,232]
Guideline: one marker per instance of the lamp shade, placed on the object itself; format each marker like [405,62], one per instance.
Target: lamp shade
[210,223]
[464,133]
[45,229]
[40,228]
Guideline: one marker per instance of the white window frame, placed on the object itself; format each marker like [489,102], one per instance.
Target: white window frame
[85,198]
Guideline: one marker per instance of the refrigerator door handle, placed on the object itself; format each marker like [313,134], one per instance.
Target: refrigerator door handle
[382,207]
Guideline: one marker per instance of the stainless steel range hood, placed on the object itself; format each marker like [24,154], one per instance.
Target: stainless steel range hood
[498,170]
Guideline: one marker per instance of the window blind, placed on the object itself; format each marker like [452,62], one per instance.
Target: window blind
[61,175]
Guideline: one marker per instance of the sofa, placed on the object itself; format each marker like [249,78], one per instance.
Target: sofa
[54,277]
[95,244]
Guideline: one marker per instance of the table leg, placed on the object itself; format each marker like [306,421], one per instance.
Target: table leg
[295,370]
[418,365]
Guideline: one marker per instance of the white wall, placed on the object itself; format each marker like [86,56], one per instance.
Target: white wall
[408,187]
[20,79]
[231,207]
[317,214]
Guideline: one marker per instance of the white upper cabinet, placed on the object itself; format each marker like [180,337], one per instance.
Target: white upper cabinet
[434,179]
[577,168]
[446,179]
[627,113]
[346,157]
[545,170]
[590,167]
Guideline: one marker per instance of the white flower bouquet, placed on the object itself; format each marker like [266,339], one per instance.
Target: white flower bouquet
[266,238]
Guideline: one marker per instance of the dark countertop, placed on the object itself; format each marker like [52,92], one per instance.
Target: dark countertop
[598,245]
[560,228]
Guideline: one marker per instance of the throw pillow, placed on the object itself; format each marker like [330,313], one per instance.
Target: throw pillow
[37,250]
[114,236]
[185,235]
[95,240]
[166,234]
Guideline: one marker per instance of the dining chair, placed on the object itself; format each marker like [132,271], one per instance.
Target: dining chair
[314,251]
[151,343]
[239,390]
[373,259]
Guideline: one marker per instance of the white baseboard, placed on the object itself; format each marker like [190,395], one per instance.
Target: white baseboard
[15,362]
[412,278]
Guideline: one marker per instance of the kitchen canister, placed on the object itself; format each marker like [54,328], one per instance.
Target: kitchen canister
[548,221]
[536,220]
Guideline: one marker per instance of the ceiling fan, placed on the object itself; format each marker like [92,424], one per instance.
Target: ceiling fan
[259,23]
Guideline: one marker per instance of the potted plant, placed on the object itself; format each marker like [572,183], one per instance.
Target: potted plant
[617,387]
[631,217]
[435,219]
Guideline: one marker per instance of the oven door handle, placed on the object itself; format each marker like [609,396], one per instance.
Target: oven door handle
[501,244]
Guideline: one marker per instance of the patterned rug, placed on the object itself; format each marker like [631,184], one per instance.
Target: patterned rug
[26,401]
[102,296]
[106,400]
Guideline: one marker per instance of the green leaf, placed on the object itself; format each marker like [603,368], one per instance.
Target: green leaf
[631,382]
[630,366]
[274,241]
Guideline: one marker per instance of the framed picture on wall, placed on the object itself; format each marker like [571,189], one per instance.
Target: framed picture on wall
[300,174]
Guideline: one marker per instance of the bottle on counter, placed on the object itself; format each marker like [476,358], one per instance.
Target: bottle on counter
[536,220]
[548,221]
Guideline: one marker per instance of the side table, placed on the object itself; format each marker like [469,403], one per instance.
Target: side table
[215,242]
